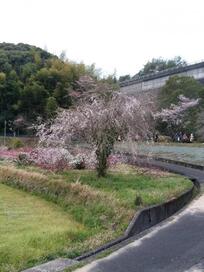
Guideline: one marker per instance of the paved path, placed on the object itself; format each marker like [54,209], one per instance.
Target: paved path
[176,245]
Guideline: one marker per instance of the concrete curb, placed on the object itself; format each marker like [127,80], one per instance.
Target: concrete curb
[57,265]
[153,215]
[142,221]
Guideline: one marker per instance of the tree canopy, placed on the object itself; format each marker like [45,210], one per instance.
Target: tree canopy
[156,65]
[170,93]
[34,82]
[160,64]
[124,78]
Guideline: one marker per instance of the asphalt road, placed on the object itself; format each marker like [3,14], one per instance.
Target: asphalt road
[176,245]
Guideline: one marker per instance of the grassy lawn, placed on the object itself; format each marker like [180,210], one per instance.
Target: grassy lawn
[68,213]
[126,184]
[32,229]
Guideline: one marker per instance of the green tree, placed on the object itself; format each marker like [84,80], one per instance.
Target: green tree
[51,107]
[29,76]
[2,77]
[159,64]
[61,94]
[33,100]
[123,78]
[169,94]
[10,88]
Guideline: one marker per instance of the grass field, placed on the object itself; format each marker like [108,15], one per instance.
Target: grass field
[68,213]
[32,229]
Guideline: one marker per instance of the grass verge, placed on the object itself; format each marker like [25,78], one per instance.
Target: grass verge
[101,208]
[32,229]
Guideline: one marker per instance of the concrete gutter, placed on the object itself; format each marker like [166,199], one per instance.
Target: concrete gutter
[186,164]
[148,217]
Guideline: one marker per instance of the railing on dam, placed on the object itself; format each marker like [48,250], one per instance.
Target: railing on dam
[167,72]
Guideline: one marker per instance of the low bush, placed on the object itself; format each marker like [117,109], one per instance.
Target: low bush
[164,139]
[23,159]
[138,201]
[51,158]
[78,162]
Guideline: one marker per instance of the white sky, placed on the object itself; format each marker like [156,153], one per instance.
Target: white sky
[119,35]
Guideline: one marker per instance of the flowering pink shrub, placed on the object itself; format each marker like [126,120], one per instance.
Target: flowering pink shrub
[57,159]
[116,158]
[86,156]
[51,158]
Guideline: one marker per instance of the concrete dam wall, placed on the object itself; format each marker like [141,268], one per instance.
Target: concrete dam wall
[153,82]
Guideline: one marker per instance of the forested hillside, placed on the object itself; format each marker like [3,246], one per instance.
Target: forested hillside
[34,83]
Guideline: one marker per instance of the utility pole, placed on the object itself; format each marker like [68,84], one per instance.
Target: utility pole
[5,123]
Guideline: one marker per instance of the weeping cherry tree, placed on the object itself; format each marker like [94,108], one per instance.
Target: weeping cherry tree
[98,122]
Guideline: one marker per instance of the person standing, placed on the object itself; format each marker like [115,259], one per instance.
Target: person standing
[191,137]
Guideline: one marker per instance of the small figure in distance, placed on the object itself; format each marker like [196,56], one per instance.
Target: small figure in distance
[191,137]
[156,138]
[184,138]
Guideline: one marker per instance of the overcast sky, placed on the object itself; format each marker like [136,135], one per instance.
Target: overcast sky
[119,35]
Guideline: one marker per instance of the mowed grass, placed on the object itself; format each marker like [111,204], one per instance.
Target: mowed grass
[31,229]
[69,213]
